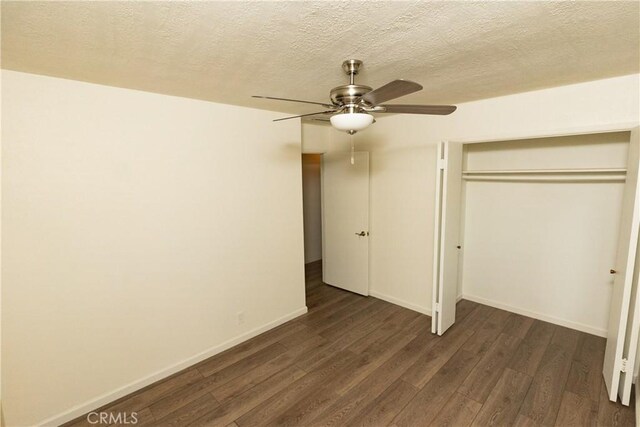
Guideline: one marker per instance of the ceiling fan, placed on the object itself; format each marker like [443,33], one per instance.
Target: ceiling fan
[351,105]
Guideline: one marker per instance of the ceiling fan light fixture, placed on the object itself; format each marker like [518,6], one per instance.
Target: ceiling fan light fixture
[351,122]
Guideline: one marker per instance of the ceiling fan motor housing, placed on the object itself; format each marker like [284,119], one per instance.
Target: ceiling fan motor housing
[348,95]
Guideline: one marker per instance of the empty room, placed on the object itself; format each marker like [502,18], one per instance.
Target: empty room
[319,213]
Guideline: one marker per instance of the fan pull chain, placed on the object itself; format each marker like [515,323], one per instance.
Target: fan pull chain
[352,151]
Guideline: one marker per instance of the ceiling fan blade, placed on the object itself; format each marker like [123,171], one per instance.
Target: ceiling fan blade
[392,90]
[305,115]
[441,110]
[293,100]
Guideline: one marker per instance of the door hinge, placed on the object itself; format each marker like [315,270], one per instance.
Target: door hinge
[623,365]
[437,307]
[441,164]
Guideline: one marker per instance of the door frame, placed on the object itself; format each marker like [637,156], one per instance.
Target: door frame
[328,142]
[571,131]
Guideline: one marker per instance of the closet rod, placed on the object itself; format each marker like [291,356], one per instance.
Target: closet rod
[546,171]
[548,178]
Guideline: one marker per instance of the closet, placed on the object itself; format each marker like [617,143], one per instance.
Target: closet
[546,227]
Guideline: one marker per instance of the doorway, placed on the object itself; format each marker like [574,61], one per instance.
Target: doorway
[336,218]
[312,215]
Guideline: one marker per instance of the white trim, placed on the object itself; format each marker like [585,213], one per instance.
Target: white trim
[322,219]
[401,303]
[405,304]
[580,130]
[546,178]
[369,216]
[540,316]
[573,171]
[108,397]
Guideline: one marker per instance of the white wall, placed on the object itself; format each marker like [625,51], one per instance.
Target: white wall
[132,238]
[403,156]
[312,207]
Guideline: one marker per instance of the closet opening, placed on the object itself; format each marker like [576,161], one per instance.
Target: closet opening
[547,228]
[539,226]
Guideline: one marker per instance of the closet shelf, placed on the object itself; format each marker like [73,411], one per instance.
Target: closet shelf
[544,171]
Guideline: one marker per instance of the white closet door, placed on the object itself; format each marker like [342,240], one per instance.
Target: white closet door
[446,236]
[345,221]
[633,331]
[615,361]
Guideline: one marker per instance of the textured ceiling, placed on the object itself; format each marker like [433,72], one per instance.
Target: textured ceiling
[227,51]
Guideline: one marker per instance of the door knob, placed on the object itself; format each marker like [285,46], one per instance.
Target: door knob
[362,234]
[612,271]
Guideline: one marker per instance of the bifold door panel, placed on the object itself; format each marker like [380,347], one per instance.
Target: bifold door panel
[446,236]
[623,331]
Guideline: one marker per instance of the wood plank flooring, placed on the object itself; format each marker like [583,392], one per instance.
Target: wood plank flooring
[361,361]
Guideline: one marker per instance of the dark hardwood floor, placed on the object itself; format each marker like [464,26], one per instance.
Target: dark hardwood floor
[362,361]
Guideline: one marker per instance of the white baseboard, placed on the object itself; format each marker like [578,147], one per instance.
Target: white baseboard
[540,316]
[401,303]
[108,397]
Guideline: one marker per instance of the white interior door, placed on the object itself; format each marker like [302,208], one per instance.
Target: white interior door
[345,221]
[446,236]
[616,362]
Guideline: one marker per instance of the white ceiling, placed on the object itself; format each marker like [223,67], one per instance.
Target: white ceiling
[227,51]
